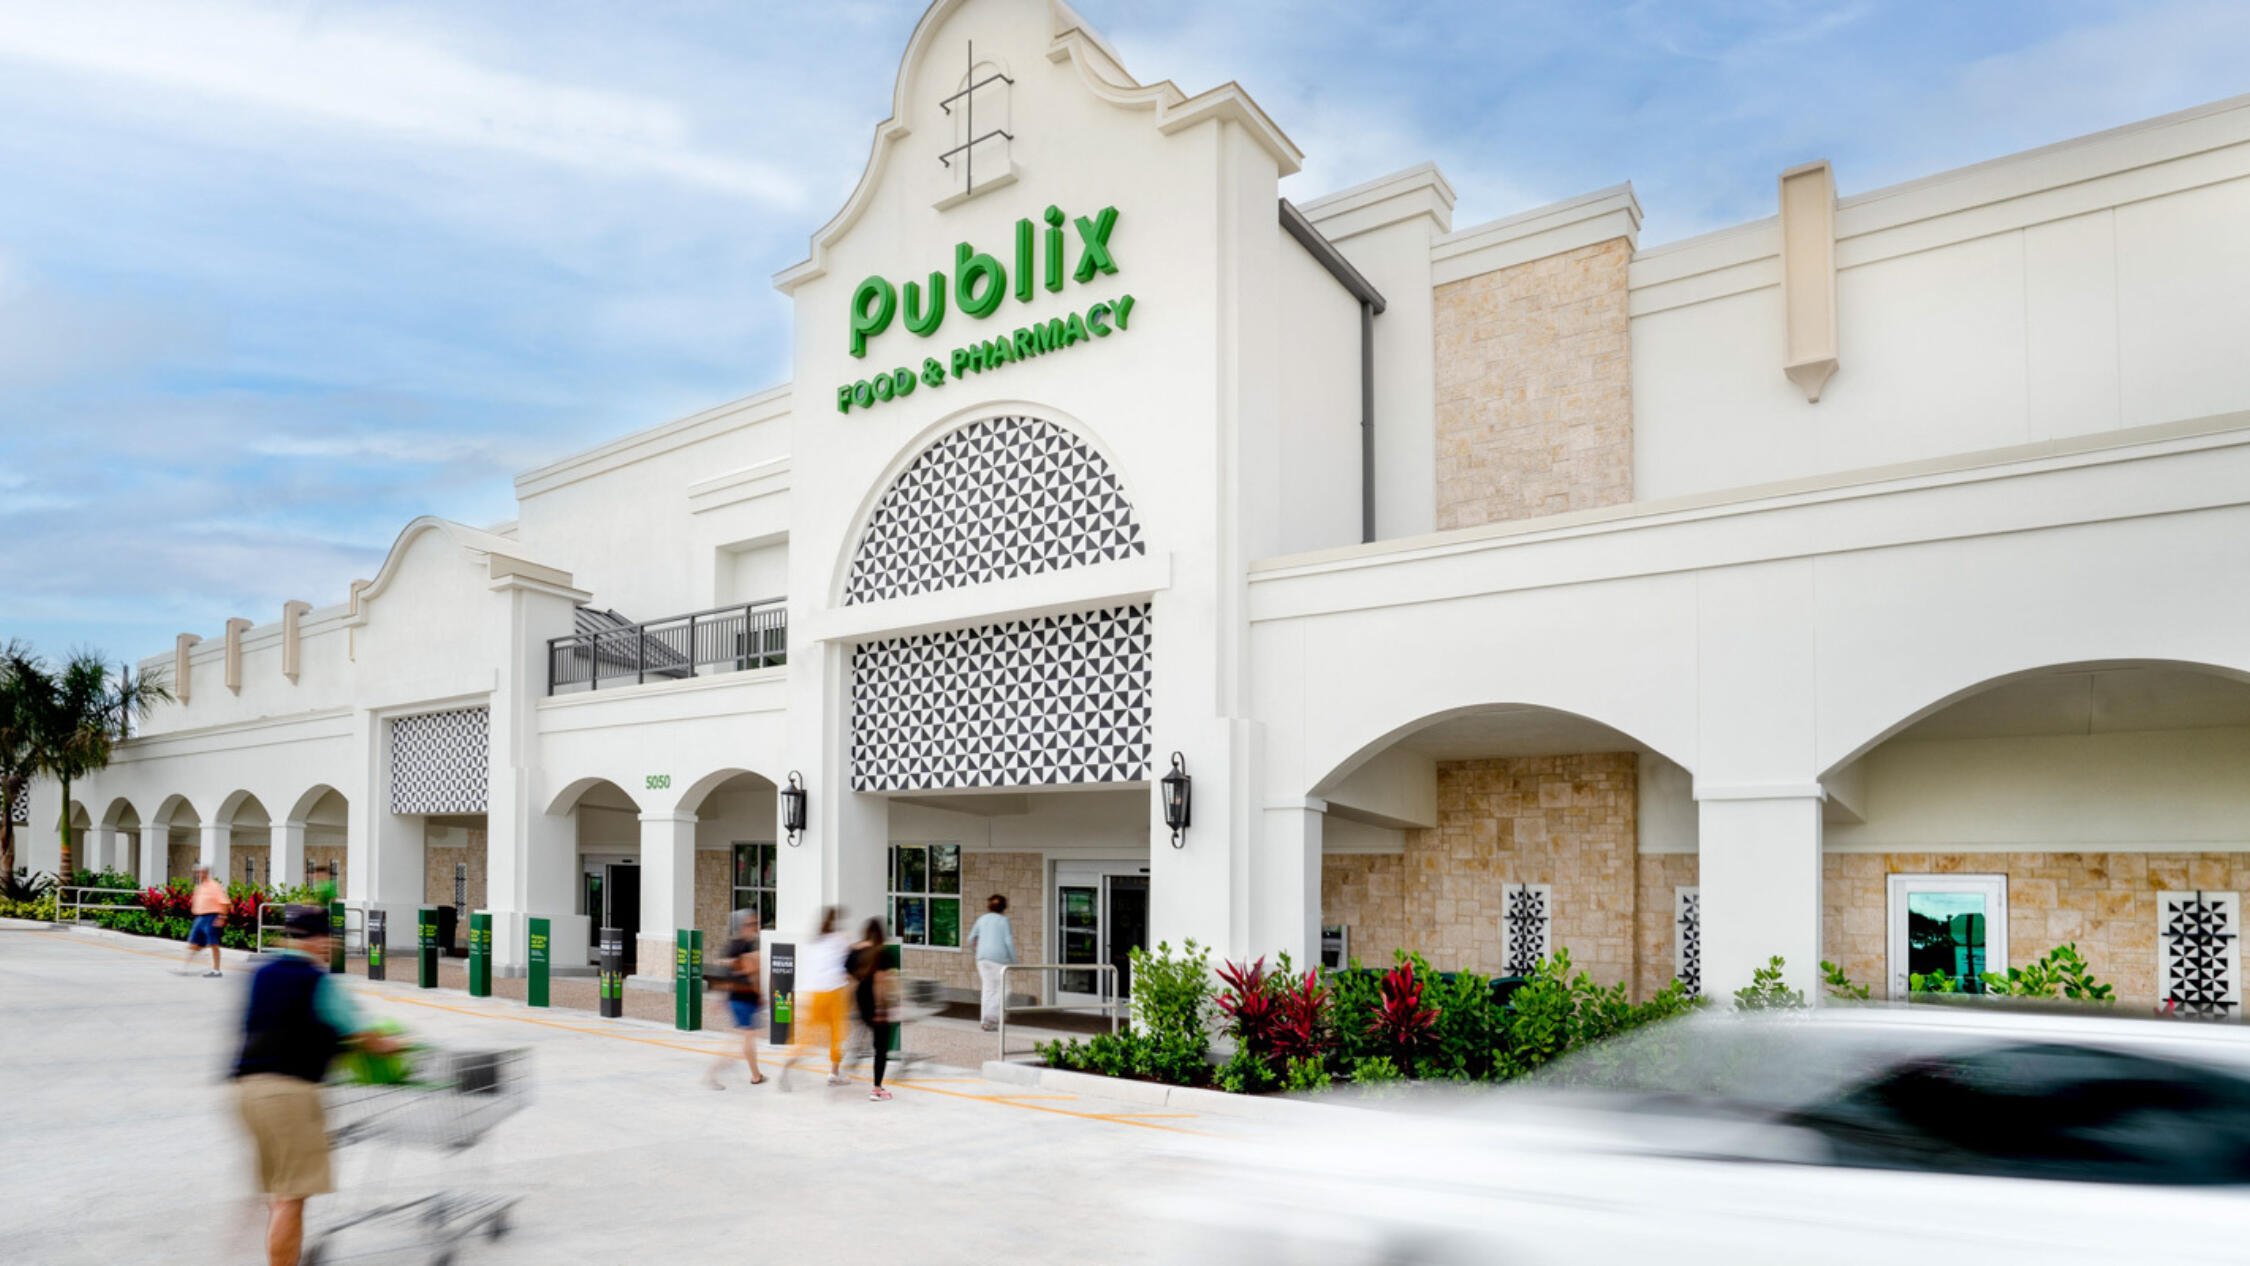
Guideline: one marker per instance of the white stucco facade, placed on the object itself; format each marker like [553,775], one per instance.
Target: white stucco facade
[2026,482]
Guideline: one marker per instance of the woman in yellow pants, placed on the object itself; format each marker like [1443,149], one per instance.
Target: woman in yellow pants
[823,988]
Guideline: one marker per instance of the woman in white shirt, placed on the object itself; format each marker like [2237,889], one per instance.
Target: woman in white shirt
[823,989]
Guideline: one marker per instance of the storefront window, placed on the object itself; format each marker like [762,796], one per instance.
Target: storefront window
[926,894]
[753,881]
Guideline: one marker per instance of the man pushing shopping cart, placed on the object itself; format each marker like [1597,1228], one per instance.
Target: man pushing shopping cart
[297,1021]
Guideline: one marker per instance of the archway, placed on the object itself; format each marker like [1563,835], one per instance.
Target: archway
[316,828]
[607,846]
[2102,805]
[248,832]
[181,829]
[1489,836]
[122,825]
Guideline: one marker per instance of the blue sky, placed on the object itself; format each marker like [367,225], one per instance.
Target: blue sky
[277,277]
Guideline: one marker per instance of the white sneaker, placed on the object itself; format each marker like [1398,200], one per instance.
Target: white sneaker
[838,1079]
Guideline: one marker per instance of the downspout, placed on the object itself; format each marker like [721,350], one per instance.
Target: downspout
[1366,421]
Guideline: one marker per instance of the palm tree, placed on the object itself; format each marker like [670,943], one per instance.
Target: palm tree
[21,676]
[84,713]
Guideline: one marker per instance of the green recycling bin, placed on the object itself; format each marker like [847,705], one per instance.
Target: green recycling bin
[336,937]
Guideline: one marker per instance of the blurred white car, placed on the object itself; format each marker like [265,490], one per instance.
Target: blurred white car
[1836,1137]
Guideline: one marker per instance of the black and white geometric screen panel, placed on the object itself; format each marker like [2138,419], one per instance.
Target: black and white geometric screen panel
[1028,703]
[1001,497]
[2199,952]
[1526,923]
[1687,944]
[438,761]
[20,812]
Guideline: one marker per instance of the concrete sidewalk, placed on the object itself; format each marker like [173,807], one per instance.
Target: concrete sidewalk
[118,1143]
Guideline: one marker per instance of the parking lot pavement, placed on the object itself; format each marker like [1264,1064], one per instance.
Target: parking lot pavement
[118,1143]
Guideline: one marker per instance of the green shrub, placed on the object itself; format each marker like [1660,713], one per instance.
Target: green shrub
[1467,1030]
[1306,1073]
[2058,970]
[1767,991]
[1375,1070]
[1244,1074]
[1930,983]
[1840,986]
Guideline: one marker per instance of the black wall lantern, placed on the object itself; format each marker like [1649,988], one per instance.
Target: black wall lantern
[1177,787]
[793,807]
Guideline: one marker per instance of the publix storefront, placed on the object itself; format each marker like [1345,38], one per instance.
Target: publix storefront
[1489,590]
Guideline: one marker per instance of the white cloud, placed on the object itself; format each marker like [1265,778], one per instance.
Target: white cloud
[382,81]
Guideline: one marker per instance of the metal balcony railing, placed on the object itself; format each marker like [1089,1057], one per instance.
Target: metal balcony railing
[721,640]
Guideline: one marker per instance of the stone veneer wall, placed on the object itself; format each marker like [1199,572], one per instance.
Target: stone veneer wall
[179,859]
[318,855]
[2105,902]
[1535,388]
[1661,874]
[238,853]
[1569,821]
[438,861]
[1022,878]
[714,897]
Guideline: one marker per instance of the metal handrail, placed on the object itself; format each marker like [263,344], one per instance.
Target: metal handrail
[77,905]
[281,912]
[722,639]
[1106,991]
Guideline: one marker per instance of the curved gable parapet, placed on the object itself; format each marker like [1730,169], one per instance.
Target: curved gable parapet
[507,557]
[1003,496]
[1099,69]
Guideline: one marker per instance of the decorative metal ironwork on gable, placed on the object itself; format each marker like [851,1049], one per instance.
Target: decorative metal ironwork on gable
[1057,700]
[438,761]
[1002,497]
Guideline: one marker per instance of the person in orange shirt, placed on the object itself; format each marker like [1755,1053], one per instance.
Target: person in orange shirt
[209,905]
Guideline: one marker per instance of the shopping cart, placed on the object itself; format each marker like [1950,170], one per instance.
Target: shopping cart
[447,1103]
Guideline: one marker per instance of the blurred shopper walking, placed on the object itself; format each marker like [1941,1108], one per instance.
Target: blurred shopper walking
[822,987]
[876,990]
[994,940]
[209,904]
[297,1020]
[743,996]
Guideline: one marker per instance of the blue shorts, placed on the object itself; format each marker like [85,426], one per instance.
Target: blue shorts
[745,1012]
[205,931]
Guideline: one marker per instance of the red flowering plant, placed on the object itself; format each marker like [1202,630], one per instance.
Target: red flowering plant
[1301,1032]
[1252,1010]
[1401,1022]
[167,900]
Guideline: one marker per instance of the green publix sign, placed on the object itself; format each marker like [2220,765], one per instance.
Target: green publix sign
[979,285]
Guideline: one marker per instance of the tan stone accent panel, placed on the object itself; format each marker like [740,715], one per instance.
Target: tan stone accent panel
[1569,821]
[261,854]
[1366,892]
[319,855]
[2104,902]
[714,896]
[1022,878]
[179,859]
[1535,388]
[438,861]
[1661,875]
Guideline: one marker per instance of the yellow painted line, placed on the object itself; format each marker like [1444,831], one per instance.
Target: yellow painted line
[1018,1098]
[926,1086]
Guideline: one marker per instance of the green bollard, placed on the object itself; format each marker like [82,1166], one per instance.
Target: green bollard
[612,973]
[535,984]
[781,985]
[425,939]
[687,981]
[336,937]
[480,954]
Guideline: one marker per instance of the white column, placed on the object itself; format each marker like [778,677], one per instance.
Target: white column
[156,850]
[667,888]
[99,849]
[1203,890]
[1760,875]
[1285,910]
[551,887]
[287,854]
[217,850]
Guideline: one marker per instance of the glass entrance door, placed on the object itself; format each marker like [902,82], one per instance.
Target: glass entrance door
[1949,925]
[1078,933]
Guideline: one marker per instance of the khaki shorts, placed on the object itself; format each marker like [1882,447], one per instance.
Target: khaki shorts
[286,1123]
